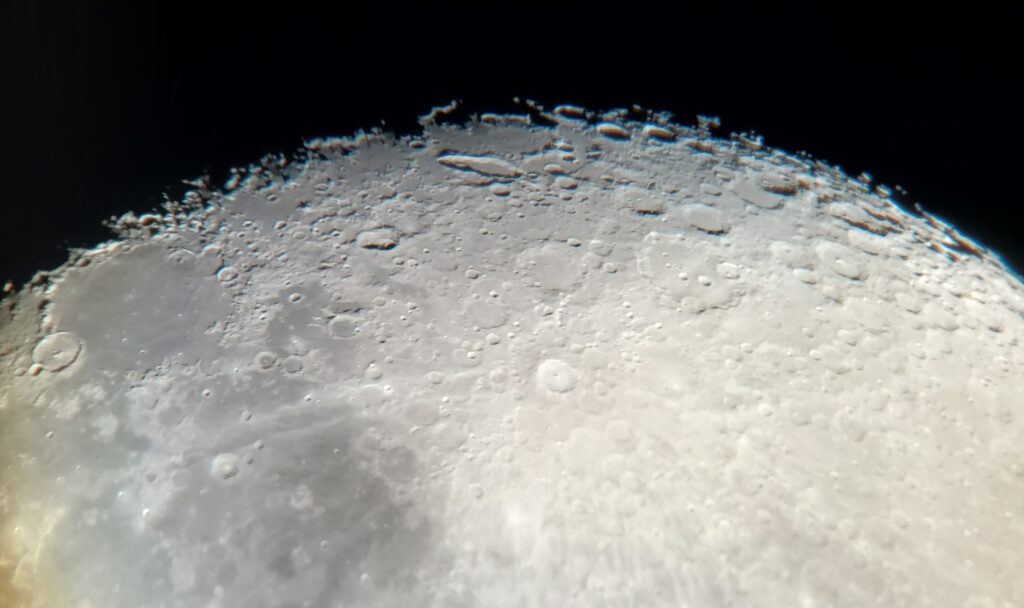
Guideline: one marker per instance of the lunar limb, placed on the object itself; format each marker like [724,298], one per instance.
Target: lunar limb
[587,360]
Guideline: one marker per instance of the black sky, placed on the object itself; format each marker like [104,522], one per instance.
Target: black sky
[105,110]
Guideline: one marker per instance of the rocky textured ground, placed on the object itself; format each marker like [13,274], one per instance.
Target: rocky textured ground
[557,359]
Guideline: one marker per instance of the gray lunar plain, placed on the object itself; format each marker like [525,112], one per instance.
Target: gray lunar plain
[608,362]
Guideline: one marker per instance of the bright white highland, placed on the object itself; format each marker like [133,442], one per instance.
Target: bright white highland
[601,363]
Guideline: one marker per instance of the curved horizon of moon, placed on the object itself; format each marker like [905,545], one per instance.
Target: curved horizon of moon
[592,361]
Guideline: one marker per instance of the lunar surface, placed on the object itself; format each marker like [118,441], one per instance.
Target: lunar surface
[553,359]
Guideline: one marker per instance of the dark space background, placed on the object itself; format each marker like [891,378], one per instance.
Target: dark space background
[107,109]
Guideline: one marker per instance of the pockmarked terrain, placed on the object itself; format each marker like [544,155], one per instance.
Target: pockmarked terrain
[556,359]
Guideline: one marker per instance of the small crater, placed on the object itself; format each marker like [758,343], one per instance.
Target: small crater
[779,184]
[600,248]
[342,327]
[224,466]
[707,219]
[574,112]
[227,274]
[182,259]
[756,195]
[650,209]
[842,260]
[485,165]
[485,314]
[659,133]
[265,359]
[612,131]
[292,365]
[557,376]
[378,238]
[57,351]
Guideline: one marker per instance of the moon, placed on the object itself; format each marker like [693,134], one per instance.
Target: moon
[563,358]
